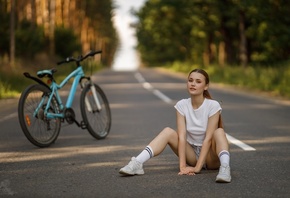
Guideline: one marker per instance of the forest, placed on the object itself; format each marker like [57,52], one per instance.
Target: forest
[214,31]
[56,28]
[239,42]
[245,43]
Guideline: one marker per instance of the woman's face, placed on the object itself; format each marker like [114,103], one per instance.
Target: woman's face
[196,84]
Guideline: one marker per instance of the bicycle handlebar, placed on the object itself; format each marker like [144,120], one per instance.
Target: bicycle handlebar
[79,59]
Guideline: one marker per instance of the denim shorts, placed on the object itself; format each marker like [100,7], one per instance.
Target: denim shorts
[197,150]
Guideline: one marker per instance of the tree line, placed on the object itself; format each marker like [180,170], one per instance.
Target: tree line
[56,28]
[224,32]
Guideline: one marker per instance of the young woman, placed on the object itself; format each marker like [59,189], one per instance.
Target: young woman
[200,141]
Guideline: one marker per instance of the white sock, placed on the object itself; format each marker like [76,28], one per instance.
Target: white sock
[145,155]
[224,157]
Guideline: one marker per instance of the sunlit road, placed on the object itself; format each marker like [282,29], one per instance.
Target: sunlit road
[142,104]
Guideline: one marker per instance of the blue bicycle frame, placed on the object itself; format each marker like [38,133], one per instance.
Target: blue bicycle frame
[77,74]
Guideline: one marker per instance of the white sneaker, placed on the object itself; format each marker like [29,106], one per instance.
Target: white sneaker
[133,168]
[224,175]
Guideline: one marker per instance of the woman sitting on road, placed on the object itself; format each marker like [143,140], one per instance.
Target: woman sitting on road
[200,141]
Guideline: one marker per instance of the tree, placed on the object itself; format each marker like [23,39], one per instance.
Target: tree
[89,20]
[214,31]
[12,33]
[51,27]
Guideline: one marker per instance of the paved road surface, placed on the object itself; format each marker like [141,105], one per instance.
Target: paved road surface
[142,104]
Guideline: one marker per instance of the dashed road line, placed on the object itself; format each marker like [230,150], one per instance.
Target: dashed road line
[10,116]
[149,87]
[239,143]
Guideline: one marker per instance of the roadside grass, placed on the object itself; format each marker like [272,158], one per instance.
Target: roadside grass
[273,80]
[13,82]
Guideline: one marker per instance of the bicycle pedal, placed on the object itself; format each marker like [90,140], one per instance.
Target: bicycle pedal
[83,125]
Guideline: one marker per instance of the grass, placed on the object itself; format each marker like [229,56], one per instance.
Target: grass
[13,82]
[273,80]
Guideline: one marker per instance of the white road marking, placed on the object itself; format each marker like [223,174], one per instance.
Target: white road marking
[239,143]
[10,116]
[162,96]
[149,87]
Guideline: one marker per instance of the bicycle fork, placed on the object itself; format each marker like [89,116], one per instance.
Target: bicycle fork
[95,97]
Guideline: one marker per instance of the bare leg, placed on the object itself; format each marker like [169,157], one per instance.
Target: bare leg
[219,156]
[170,137]
[219,143]
[166,136]
[156,146]
[221,140]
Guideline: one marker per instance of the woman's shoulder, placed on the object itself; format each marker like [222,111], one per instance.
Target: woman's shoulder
[212,102]
[184,101]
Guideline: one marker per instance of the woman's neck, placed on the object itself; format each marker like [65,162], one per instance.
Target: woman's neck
[196,101]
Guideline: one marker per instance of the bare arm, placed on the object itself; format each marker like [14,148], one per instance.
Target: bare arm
[181,131]
[211,127]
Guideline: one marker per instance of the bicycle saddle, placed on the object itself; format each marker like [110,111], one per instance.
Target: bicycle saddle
[49,73]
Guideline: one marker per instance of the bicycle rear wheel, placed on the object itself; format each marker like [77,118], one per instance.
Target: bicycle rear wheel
[98,122]
[39,130]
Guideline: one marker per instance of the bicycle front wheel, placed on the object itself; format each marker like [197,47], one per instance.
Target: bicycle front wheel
[97,121]
[39,130]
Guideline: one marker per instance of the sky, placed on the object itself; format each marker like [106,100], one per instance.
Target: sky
[126,58]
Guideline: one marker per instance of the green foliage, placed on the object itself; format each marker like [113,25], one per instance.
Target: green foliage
[32,29]
[66,42]
[274,80]
[5,91]
[12,83]
[268,30]
[29,39]
[162,36]
[32,38]
[195,31]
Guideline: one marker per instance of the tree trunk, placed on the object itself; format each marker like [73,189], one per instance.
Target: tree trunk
[12,33]
[51,27]
[229,54]
[221,54]
[243,40]
[33,13]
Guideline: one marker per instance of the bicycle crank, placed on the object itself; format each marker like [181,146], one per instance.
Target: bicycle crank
[70,117]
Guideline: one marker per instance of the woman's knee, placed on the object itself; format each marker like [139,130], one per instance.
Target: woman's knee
[169,134]
[168,131]
[219,133]
[220,139]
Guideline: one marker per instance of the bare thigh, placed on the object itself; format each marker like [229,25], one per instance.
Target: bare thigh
[212,159]
[190,154]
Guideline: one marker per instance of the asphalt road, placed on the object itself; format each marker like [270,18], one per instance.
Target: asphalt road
[142,103]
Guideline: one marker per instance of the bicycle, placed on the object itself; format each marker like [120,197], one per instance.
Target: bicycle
[41,110]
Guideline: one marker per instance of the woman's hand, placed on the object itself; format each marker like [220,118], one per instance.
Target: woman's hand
[187,171]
